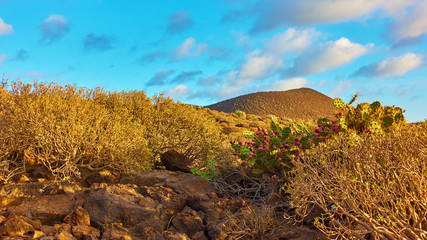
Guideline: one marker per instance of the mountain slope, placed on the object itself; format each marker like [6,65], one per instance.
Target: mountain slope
[303,103]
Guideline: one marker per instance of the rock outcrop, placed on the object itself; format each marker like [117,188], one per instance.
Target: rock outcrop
[160,204]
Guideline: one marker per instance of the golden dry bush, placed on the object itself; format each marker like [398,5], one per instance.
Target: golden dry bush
[63,129]
[369,186]
[67,128]
[188,129]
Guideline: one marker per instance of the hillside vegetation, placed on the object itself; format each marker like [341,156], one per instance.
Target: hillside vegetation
[297,104]
[363,170]
[67,128]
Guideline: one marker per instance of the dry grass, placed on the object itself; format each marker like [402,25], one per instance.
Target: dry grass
[369,187]
[237,183]
[252,223]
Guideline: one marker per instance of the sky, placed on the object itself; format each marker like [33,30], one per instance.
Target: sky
[203,52]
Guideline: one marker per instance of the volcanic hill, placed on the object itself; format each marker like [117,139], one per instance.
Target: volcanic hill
[303,103]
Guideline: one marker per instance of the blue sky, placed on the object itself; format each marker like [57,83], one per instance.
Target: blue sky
[202,52]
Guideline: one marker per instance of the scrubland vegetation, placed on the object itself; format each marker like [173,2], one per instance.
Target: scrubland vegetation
[67,128]
[366,170]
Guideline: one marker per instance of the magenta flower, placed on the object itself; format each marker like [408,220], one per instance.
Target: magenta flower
[244,168]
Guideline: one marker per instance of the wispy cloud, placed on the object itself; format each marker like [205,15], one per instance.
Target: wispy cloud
[184,77]
[178,22]
[5,29]
[392,66]
[178,91]
[190,48]
[259,65]
[327,56]
[291,40]
[276,14]
[288,84]
[209,81]
[2,58]
[53,28]
[273,14]
[401,92]
[93,42]
[21,55]
[154,56]
[159,78]
[219,53]
[340,88]
[409,27]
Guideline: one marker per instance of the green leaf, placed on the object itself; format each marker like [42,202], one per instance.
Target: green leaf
[286,132]
[245,151]
[322,120]
[274,127]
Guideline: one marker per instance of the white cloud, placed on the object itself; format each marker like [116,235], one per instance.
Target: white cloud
[5,29]
[275,14]
[259,65]
[288,84]
[327,56]
[392,66]
[178,91]
[410,25]
[340,88]
[190,48]
[232,85]
[399,65]
[54,27]
[242,39]
[290,40]
[2,58]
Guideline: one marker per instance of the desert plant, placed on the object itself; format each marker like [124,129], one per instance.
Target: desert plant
[185,128]
[368,117]
[272,150]
[208,172]
[60,128]
[372,185]
[240,113]
[68,128]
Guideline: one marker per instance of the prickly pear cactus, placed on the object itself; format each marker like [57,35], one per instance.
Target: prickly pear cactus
[368,117]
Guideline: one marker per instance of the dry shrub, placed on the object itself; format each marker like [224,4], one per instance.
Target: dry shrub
[369,187]
[258,189]
[68,128]
[62,129]
[252,223]
[185,128]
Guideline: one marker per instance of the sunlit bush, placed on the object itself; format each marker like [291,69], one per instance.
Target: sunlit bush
[368,186]
[67,128]
[60,128]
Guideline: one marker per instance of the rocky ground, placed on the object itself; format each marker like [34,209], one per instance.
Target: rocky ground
[160,204]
